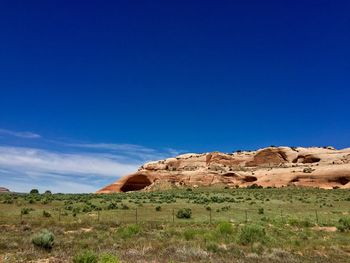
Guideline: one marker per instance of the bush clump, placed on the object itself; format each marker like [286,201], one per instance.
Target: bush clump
[86,256]
[300,222]
[108,258]
[224,228]
[26,210]
[44,239]
[46,214]
[129,231]
[185,213]
[34,191]
[251,233]
[344,224]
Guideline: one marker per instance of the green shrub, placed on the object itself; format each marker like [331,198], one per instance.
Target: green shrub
[26,210]
[189,233]
[34,191]
[213,247]
[308,170]
[251,233]
[129,231]
[184,213]
[125,207]
[158,208]
[261,211]
[46,214]
[224,228]
[108,258]
[44,239]
[86,256]
[344,224]
[300,222]
[112,206]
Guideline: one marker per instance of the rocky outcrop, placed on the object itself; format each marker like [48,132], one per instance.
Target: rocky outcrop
[268,167]
[4,190]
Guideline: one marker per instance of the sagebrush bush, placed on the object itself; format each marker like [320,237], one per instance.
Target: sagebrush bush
[26,210]
[129,231]
[224,228]
[300,222]
[184,213]
[108,258]
[46,214]
[86,256]
[252,233]
[44,239]
[344,224]
[189,233]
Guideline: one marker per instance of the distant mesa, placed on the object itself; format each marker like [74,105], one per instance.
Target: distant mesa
[323,167]
[4,190]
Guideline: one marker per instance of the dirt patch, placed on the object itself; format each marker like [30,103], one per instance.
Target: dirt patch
[47,260]
[84,230]
[325,228]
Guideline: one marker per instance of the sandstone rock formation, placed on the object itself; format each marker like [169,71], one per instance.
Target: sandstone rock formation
[273,166]
[4,190]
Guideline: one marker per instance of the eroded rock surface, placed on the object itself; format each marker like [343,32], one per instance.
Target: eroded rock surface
[4,190]
[272,166]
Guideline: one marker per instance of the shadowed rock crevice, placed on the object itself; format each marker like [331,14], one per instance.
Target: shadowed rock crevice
[343,180]
[306,159]
[249,178]
[268,157]
[135,183]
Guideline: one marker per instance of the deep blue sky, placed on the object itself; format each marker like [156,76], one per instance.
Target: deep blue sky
[189,75]
[195,75]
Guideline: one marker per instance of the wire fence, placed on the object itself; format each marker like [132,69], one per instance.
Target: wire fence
[169,215]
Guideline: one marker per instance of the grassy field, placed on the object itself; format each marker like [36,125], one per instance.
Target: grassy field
[225,225]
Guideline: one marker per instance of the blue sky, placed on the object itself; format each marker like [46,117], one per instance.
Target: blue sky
[91,89]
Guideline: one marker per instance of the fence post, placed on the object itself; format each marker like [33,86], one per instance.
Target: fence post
[210,216]
[173,215]
[316,217]
[246,216]
[136,215]
[59,214]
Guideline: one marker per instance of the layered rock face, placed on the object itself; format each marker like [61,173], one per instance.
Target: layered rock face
[273,166]
[4,190]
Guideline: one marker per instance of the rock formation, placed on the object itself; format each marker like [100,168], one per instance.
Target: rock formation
[4,190]
[269,167]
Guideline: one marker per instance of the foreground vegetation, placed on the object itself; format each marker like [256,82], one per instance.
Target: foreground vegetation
[183,225]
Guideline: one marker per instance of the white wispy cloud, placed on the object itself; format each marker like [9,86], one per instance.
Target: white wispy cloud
[43,161]
[24,168]
[66,166]
[20,134]
[115,147]
[138,152]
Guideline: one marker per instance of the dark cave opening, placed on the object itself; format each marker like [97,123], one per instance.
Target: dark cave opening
[135,183]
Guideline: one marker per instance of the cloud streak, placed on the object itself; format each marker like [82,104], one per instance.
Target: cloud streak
[137,152]
[43,161]
[67,166]
[70,170]
[24,134]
